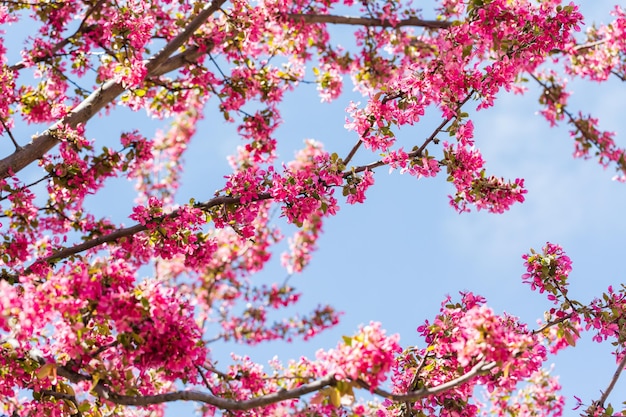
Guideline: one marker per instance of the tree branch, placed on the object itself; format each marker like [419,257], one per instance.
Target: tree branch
[133,230]
[42,143]
[480,368]
[190,55]
[125,232]
[368,21]
[608,390]
[6,129]
[552,323]
[111,237]
[222,403]
[413,154]
[173,45]
[82,28]
[105,392]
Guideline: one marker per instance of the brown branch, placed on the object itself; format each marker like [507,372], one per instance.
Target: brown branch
[173,45]
[362,168]
[42,143]
[103,96]
[416,153]
[31,3]
[353,151]
[122,233]
[607,392]
[111,237]
[138,228]
[368,21]
[103,391]
[6,129]
[480,368]
[190,55]
[225,404]
[619,76]
[589,45]
[552,323]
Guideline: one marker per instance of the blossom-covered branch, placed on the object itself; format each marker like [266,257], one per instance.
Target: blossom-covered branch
[479,368]
[83,27]
[585,130]
[283,395]
[138,228]
[368,21]
[202,397]
[99,99]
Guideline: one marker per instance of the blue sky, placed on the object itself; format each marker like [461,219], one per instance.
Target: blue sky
[394,258]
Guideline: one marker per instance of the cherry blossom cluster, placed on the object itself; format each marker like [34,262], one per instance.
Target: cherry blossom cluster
[306,186]
[462,336]
[156,165]
[602,53]
[606,317]
[539,397]
[302,245]
[464,164]
[367,356]
[548,271]
[426,166]
[589,139]
[116,326]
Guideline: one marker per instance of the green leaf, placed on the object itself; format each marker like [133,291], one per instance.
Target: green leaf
[335,397]
[569,338]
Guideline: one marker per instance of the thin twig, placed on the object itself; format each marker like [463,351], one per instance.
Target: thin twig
[6,129]
[607,392]
[353,151]
[589,45]
[572,119]
[416,153]
[552,323]
[206,382]
[56,48]
[45,177]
